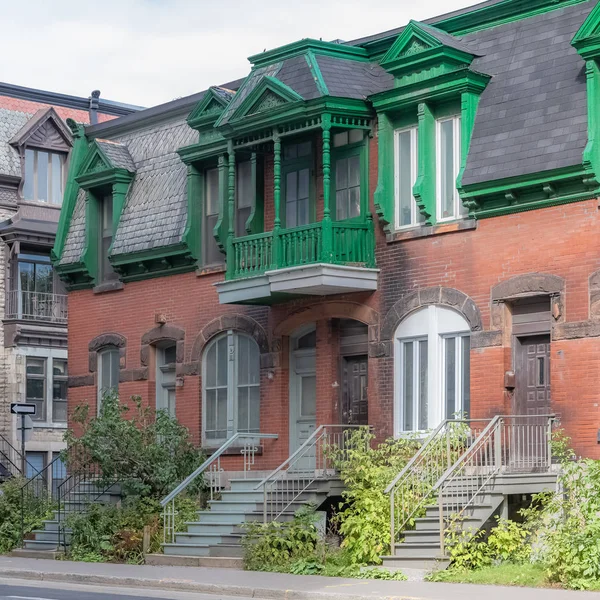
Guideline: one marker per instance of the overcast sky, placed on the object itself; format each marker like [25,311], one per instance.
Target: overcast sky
[151,51]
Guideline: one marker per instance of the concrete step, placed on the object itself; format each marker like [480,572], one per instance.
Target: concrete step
[415,562]
[227,551]
[241,506]
[433,523]
[208,539]
[175,560]
[45,554]
[186,549]
[44,535]
[219,516]
[423,549]
[213,528]
[478,511]
[40,545]
[422,536]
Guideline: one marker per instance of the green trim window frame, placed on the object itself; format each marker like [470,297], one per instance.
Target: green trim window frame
[165,378]
[297,182]
[349,178]
[406,160]
[230,387]
[211,255]
[44,176]
[449,206]
[105,238]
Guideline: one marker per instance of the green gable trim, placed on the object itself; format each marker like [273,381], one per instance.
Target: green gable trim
[207,111]
[417,49]
[518,194]
[78,154]
[311,61]
[302,46]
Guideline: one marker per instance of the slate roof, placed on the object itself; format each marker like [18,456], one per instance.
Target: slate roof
[75,242]
[351,79]
[118,154]
[532,116]
[10,123]
[449,40]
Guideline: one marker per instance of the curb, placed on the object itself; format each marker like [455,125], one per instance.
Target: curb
[184,585]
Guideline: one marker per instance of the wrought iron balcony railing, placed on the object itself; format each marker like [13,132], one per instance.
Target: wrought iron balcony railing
[340,243]
[36,306]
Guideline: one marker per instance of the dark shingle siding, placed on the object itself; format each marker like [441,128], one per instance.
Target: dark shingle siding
[532,116]
[118,154]
[296,74]
[75,242]
[352,79]
[155,211]
[11,122]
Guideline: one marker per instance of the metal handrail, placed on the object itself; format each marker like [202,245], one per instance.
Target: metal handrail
[294,486]
[213,466]
[485,458]
[213,458]
[411,488]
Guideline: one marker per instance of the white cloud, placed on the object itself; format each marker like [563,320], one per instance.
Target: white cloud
[151,51]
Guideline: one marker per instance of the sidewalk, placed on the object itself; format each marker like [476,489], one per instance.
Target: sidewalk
[268,586]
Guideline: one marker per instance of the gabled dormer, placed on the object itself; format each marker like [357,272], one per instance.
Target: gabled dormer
[208,110]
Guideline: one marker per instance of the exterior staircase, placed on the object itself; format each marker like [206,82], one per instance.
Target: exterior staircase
[461,478]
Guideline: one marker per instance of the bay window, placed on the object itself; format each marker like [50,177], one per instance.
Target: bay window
[231,387]
[432,369]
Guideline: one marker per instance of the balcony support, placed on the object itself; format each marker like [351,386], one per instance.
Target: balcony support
[230,205]
[276,254]
[327,228]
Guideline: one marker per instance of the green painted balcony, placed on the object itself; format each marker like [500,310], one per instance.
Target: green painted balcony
[319,259]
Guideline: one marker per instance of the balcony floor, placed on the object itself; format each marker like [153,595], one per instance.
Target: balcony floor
[307,280]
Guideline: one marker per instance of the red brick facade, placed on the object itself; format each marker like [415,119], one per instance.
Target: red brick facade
[468,264]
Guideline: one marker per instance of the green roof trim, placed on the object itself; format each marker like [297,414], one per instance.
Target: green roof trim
[208,110]
[303,46]
[587,39]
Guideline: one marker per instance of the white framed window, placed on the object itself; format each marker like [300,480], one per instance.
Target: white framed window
[230,387]
[405,177]
[44,176]
[108,372]
[45,385]
[431,369]
[211,253]
[244,196]
[449,205]
[166,358]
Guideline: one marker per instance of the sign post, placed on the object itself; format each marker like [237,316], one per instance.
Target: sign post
[24,410]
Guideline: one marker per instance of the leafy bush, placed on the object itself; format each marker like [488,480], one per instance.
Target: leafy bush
[364,517]
[509,542]
[35,510]
[148,451]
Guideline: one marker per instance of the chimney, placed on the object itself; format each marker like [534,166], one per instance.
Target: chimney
[94,102]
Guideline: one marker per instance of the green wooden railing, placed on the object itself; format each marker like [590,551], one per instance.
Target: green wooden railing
[334,243]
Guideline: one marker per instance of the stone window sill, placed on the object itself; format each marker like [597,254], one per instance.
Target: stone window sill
[42,425]
[427,231]
[233,451]
[109,286]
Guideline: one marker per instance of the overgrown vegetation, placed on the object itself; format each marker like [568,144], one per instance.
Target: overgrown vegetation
[35,510]
[298,547]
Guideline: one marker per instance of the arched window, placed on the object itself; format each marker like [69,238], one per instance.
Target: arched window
[231,387]
[108,372]
[432,369]
[166,357]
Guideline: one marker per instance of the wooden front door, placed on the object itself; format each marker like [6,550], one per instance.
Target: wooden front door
[532,373]
[355,405]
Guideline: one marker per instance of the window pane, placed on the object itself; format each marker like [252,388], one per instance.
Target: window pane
[35,389]
[341,174]
[114,369]
[355,135]
[447,176]
[254,424]
[212,191]
[57,176]
[466,375]
[171,402]
[303,149]
[36,366]
[405,179]
[170,355]
[290,151]
[222,362]
[29,175]
[211,413]
[243,360]
[43,279]
[423,399]
[59,412]
[303,183]
[35,463]
[408,387]
[42,176]
[243,214]
[244,184]
[450,376]
[243,409]
[212,254]
[354,171]
[291,186]
[354,208]
[211,366]
[222,412]
[308,401]
[340,139]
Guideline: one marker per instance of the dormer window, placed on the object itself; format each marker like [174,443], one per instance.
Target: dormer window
[44,176]
[449,205]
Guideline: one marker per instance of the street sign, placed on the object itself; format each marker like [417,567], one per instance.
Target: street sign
[22,409]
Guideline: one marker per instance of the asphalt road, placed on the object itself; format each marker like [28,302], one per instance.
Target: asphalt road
[12,589]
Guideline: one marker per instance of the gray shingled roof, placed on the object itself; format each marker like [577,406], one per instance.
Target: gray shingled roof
[75,242]
[296,74]
[10,123]
[352,79]
[118,154]
[449,40]
[156,207]
[532,116]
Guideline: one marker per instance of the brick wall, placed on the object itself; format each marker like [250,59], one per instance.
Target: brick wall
[559,241]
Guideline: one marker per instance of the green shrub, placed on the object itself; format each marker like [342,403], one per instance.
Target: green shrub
[366,471]
[149,451]
[509,542]
[36,509]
